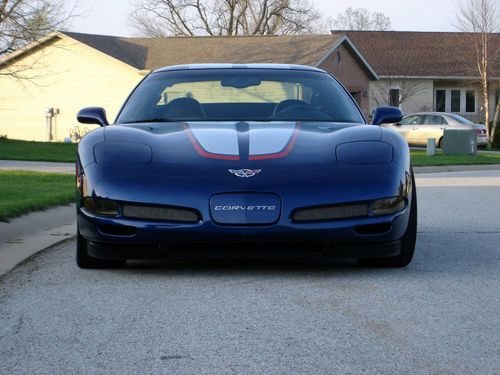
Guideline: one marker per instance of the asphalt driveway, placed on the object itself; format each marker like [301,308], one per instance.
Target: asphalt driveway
[438,316]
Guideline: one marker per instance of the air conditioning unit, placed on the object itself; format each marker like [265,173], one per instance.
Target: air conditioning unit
[459,141]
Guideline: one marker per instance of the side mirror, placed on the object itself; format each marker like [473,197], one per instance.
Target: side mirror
[92,115]
[386,115]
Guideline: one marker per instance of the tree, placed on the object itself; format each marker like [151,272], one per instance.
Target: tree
[160,18]
[360,19]
[25,21]
[480,18]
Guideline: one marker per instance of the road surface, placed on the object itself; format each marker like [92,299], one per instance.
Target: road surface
[440,315]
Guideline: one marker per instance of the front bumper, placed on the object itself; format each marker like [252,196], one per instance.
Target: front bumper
[366,237]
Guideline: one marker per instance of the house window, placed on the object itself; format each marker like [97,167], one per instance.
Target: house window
[470,101]
[455,100]
[440,100]
[394,97]
[355,95]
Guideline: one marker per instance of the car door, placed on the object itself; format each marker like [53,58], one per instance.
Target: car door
[409,126]
[432,127]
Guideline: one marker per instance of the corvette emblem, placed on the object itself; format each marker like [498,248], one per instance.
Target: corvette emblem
[244,173]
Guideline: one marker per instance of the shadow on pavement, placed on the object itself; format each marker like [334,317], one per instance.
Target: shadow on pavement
[243,266]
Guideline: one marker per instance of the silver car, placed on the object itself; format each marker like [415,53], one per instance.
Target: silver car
[416,128]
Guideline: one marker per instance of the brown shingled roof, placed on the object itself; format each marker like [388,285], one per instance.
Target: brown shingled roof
[123,49]
[422,54]
[153,53]
[390,53]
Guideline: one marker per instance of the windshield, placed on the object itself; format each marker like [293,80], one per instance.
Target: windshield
[239,95]
[460,119]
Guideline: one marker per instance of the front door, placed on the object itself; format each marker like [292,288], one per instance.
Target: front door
[433,127]
[409,128]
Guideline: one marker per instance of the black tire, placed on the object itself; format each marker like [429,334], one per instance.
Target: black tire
[84,260]
[440,143]
[408,240]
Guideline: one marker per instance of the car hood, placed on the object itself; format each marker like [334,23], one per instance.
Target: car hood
[242,143]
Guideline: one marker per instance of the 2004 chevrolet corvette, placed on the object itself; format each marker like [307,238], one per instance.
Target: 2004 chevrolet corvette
[234,157]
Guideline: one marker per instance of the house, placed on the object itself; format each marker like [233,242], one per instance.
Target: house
[66,71]
[427,71]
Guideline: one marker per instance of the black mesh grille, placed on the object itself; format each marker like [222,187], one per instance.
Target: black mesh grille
[161,213]
[330,212]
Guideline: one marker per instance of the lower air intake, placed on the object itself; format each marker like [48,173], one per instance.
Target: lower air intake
[174,214]
[345,211]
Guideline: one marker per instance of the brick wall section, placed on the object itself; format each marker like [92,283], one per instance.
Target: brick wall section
[350,73]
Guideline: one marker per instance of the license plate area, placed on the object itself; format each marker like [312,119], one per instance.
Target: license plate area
[245,208]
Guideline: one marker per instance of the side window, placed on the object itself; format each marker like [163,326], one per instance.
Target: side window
[407,120]
[411,120]
[434,120]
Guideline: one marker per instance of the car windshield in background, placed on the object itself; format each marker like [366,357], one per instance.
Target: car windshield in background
[460,119]
[239,95]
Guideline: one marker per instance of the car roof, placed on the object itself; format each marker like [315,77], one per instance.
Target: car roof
[428,113]
[238,66]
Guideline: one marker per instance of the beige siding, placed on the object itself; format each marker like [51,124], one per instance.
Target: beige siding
[67,75]
[419,94]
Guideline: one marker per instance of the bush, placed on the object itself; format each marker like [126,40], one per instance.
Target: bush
[496,141]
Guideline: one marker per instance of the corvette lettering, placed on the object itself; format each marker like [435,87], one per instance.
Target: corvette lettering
[245,208]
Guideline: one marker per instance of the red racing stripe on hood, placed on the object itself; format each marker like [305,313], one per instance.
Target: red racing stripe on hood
[199,148]
[280,154]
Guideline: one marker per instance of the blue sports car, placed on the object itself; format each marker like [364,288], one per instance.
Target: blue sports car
[230,158]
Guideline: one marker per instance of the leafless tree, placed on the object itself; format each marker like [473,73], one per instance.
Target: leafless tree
[161,18]
[381,91]
[480,18]
[360,19]
[26,21]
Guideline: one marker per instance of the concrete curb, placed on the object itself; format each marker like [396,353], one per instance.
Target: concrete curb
[457,168]
[29,234]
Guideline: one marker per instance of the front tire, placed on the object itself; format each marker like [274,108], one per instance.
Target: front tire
[84,260]
[408,240]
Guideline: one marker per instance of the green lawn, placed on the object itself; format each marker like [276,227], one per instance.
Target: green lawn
[419,159]
[65,152]
[37,151]
[22,192]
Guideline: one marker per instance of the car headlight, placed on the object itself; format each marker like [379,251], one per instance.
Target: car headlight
[101,206]
[128,153]
[387,206]
[365,152]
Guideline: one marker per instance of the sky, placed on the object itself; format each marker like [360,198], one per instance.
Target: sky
[110,17]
